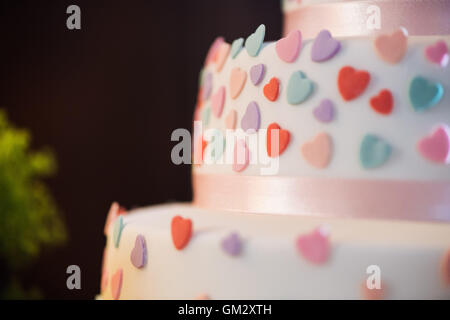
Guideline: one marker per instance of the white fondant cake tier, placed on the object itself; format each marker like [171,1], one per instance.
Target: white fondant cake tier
[402,129]
[270,265]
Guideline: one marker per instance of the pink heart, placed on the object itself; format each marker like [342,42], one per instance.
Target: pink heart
[217,102]
[317,152]
[314,246]
[288,48]
[230,121]
[241,156]
[237,81]
[222,54]
[438,53]
[391,48]
[436,146]
[116,284]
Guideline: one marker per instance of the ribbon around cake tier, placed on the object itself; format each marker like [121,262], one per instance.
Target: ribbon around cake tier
[325,197]
[362,18]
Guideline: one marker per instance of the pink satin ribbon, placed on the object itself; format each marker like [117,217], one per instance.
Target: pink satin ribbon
[349,18]
[423,201]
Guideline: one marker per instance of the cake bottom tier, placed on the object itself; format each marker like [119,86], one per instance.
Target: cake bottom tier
[412,259]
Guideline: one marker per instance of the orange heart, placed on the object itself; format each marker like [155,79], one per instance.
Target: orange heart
[277,147]
[318,151]
[383,102]
[181,230]
[351,82]
[391,47]
[271,89]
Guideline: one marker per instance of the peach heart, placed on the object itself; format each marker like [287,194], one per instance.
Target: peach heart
[288,48]
[281,136]
[181,230]
[230,120]
[383,102]
[271,89]
[445,268]
[435,147]
[241,156]
[217,102]
[317,152]
[222,54]
[373,294]
[391,48]
[315,246]
[237,82]
[116,284]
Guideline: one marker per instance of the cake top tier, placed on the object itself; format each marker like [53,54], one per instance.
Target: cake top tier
[356,17]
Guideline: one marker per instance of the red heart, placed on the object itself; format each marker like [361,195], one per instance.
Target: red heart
[383,102]
[271,89]
[181,230]
[351,82]
[280,145]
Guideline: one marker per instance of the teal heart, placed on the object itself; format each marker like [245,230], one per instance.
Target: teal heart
[254,41]
[374,152]
[117,232]
[424,94]
[206,115]
[236,47]
[217,144]
[299,88]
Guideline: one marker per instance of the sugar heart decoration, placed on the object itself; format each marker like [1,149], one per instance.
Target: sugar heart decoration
[117,232]
[374,152]
[116,284]
[104,281]
[288,48]
[241,156]
[391,47]
[271,89]
[203,297]
[254,41]
[317,152]
[217,102]
[199,149]
[257,73]
[207,86]
[113,213]
[299,88]
[445,268]
[236,47]
[383,103]
[324,112]
[438,53]
[237,82]
[324,47]
[315,246]
[217,144]
[232,244]
[436,147]
[277,140]
[222,55]
[251,119]
[373,294]
[213,50]
[230,120]
[139,253]
[206,114]
[181,230]
[424,93]
[352,83]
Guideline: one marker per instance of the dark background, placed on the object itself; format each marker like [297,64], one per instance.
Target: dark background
[106,99]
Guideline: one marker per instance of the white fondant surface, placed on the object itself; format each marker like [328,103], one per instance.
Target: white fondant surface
[270,267]
[402,129]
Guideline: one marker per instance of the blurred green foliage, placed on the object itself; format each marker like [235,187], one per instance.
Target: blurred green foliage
[29,218]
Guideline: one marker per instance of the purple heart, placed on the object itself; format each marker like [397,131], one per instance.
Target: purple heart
[324,112]
[257,73]
[251,119]
[139,252]
[232,244]
[207,86]
[324,47]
